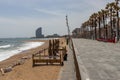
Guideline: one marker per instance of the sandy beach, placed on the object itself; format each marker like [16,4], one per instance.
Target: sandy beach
[26,71]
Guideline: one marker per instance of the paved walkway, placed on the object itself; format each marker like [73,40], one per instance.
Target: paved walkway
[68,70]
[101,60]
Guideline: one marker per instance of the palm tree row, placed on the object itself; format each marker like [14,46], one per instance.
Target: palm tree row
[104,24]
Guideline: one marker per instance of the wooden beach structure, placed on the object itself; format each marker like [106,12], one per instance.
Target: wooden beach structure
[54,54]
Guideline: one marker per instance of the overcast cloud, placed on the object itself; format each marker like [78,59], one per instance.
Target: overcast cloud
[20,18]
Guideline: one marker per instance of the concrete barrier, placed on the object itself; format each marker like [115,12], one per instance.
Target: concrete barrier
[78,76]
[81,72]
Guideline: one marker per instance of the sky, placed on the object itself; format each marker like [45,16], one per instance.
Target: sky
[21,18]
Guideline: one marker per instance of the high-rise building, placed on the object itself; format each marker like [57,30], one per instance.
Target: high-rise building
[39,33]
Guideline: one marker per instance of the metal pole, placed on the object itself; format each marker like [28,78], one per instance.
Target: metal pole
[68,26]
[69,37]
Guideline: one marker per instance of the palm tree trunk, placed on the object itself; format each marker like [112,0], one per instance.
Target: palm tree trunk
[91,32]
[95,29]
[104,25]
[111,29]
[106,32]
[117,35]
[92,29]
[117,26]
[99,29]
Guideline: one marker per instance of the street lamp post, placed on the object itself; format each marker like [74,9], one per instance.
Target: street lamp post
[68,29]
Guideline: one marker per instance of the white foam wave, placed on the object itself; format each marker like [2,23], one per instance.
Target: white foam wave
[26,46]
[30,45]
[5,46]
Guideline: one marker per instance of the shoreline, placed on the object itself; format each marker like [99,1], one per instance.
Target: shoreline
[25,71]
[24,53]
[20,49]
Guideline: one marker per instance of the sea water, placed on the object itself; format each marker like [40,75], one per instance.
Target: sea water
[12,46]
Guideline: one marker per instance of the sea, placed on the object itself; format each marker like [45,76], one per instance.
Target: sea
[12,46]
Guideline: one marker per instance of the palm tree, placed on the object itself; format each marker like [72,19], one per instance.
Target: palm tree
[103,21]
[86,29]
[106,28]
[94,20]
[109,6]
[91,23]
[83,30]
[115,15]
[90,27]
[117,8]
[95,23]
[99,22]
[104,16]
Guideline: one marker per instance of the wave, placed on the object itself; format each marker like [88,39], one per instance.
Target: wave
[30,45]
[5,46]
[6,54]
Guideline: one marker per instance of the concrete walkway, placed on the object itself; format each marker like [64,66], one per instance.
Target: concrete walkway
[68,70]
[101,60]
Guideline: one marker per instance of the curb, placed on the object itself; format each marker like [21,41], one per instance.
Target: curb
[81,72]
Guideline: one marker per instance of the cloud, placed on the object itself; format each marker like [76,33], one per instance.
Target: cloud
[98,4]
[24,18]
[26,26]
[49,12]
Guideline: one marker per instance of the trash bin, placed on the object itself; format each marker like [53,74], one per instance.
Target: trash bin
[65,57]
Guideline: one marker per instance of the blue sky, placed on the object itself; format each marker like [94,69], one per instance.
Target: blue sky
[20,18]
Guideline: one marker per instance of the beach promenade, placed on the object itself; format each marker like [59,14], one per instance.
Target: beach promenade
[68,71]
[98,60]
